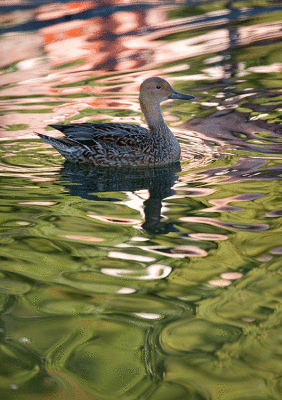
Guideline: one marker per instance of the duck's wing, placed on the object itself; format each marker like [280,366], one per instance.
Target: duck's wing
[90,133]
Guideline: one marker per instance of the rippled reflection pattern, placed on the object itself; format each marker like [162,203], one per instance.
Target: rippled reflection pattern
[91,293]
[160,283]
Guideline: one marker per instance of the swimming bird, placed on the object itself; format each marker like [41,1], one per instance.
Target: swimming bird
[124,145]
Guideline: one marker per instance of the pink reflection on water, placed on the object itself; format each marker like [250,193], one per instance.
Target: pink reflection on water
[221,204]
[38,203]
[264,258]
[227,225]
[61,59]
[208,236]
[84,238]
[194,192]
[180,251]
[100,42]
[248,319]
[114,220]
[274,213]
[148,315]
[129,256]
[57,10]
[220,282]
[126,290]
[245,168]
[278,250]
[155,271]
[231,275]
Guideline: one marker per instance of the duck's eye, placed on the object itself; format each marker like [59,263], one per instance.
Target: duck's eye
[158,87]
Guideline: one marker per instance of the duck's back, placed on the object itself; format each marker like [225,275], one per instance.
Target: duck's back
[105,132]
[105,144]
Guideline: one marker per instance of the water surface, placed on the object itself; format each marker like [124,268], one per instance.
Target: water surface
[161,283]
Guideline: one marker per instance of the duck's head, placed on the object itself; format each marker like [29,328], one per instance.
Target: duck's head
[158,90]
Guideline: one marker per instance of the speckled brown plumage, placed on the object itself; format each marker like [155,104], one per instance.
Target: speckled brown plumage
[124,145]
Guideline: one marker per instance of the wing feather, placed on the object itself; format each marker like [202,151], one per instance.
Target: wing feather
[90,133]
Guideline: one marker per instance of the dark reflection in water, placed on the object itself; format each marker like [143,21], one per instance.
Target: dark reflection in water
[251,169]
[87,182]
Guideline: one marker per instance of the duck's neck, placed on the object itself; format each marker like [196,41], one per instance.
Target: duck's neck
[153,116]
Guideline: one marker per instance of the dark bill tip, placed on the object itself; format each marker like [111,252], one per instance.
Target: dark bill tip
[180,96]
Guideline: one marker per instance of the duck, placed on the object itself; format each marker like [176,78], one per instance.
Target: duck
[122,144]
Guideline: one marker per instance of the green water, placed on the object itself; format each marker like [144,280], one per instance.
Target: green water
[150,284]
[95,303]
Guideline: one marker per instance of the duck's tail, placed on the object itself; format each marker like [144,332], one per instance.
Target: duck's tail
[58,143]
[71,151]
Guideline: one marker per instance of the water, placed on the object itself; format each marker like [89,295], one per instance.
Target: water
[150,284]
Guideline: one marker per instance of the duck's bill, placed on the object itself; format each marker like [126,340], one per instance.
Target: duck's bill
[176,95]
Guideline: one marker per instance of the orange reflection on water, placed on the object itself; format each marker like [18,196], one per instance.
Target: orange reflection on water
[100,41]
[80,41]
[57,10]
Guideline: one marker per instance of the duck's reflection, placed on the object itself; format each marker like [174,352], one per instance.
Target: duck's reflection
[88,181]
